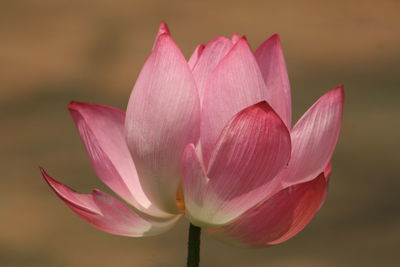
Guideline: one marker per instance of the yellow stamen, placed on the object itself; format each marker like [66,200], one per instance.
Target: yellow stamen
[180,202]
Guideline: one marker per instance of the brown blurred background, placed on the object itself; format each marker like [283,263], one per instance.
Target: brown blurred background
[52,52]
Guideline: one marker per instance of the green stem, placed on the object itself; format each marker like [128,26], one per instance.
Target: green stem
[193,258]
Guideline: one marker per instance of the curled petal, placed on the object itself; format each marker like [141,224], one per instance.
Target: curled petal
[102,131]
[194,185]
[235,84]
[277,219]
[273,68]
[107,213]
[162,118]
[314,139]
[213,53]
[251,150]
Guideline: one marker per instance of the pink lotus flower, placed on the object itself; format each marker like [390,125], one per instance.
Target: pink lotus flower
[209,138]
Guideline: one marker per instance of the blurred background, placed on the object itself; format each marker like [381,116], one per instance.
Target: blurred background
[52,52]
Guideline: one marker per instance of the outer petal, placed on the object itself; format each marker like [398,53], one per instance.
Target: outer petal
[102,131]
[195,56]
[107,213]
[213,53]
[328,170]
[314,139]
[236,84]
[163,29]
[251,150]
[162,118]
[272,64]
[235,38]
[279,218]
